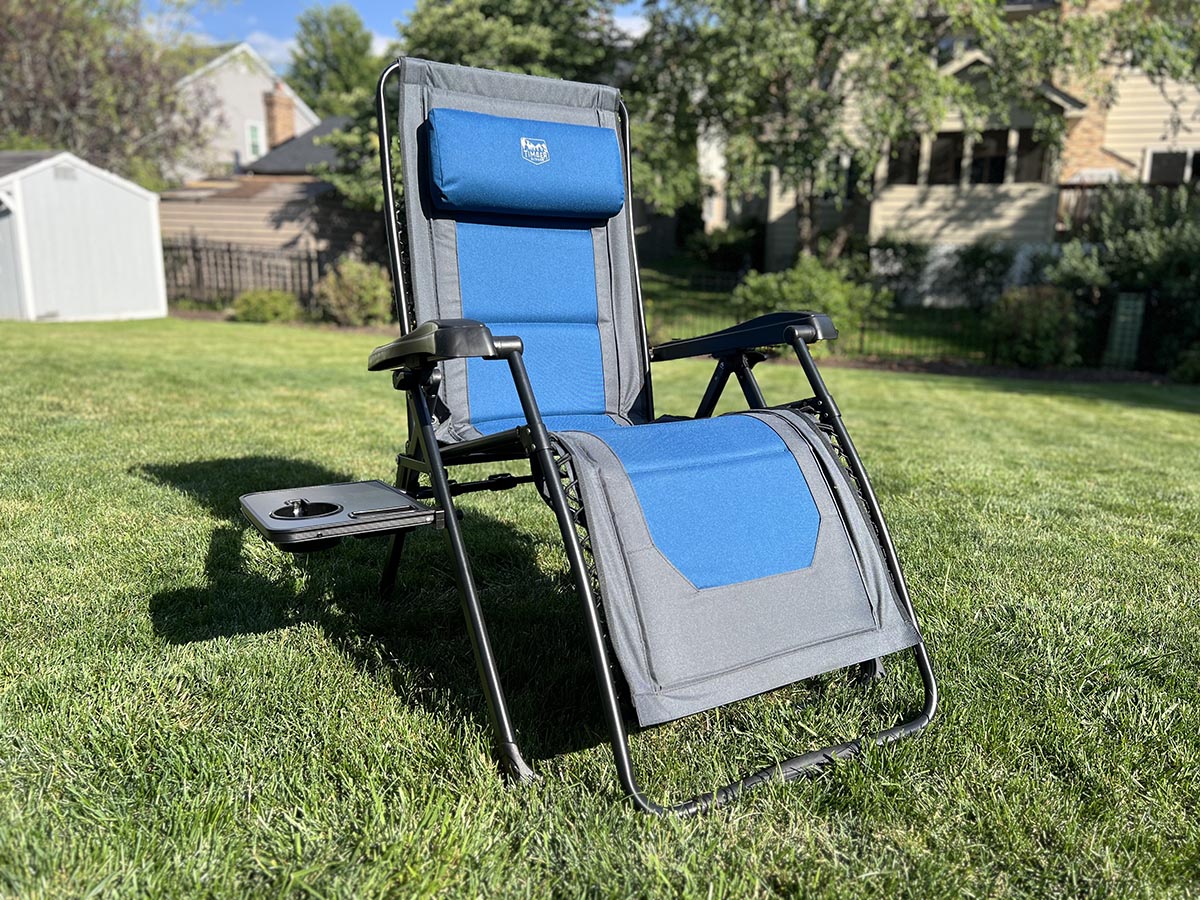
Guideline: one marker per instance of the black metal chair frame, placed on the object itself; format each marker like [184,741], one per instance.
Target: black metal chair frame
[413,361]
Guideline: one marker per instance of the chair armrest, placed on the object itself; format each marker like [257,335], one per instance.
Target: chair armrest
[439,339]
[763,331]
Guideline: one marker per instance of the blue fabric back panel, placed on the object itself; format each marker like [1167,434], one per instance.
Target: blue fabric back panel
[723,498]
[539,284]
[494,164]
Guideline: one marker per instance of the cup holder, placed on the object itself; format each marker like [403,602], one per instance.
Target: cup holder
[305,509]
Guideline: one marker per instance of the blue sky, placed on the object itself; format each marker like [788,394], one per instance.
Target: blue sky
[268,25]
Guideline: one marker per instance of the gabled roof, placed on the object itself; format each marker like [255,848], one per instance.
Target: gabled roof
[1069,103]
[189,57]
[15,160]
[298,155]
[244,49]
[27,162]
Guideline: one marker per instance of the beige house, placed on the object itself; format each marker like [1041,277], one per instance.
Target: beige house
[254,110]
[947,189]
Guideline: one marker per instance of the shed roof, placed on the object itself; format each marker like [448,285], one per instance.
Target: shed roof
[15,160]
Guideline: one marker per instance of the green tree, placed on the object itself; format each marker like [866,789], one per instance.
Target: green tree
[86,76]
[574,39]
[333,64]
[803,88]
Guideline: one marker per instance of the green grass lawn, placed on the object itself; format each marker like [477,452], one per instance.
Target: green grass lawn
[685,300]
[186,711]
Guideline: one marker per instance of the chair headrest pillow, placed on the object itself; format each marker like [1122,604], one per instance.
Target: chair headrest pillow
[494,164]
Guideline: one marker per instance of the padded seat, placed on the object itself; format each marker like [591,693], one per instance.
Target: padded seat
[733,558]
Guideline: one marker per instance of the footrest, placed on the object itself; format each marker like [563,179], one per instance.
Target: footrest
[301,520]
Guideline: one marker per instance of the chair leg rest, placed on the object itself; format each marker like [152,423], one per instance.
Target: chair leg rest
[784,770]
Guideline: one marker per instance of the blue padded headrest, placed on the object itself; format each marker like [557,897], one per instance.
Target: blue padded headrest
[493,164]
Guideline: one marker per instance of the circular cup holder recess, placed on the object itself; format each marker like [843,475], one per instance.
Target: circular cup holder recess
[305,509]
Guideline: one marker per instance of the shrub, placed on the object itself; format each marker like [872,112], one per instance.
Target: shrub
[1035,327]
[1140,240]
[266,306]
[899,265]
[731,249]
[354,293]
[1187,370]
[980,271]
[809,285]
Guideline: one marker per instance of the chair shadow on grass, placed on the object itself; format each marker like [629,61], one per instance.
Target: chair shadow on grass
[418,641]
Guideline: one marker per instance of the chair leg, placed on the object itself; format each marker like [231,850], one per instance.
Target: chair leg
[870,671]
[489,676]
[406,480]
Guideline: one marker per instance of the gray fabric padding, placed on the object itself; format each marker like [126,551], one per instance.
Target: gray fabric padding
[430,236]
[685,650]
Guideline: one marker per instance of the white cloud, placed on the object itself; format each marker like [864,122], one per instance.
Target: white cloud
[275,50]
[634,26]
[380,43]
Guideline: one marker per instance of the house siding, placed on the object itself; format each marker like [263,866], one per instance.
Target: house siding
[948,214]
[239,86]
[1145,115]
[277,213]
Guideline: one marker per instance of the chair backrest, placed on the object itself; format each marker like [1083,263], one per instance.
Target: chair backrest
[517,214]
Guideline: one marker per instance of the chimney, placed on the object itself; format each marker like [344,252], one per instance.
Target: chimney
[281,116]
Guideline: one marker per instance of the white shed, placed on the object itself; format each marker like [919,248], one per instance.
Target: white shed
[77,243]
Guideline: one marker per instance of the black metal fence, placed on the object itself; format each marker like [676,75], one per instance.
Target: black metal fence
[917,334]
[214,273]
[684,304]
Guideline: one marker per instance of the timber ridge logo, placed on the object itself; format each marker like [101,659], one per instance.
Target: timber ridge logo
[535,150]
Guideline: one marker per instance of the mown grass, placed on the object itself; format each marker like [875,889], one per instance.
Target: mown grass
[684,300]
[186,711]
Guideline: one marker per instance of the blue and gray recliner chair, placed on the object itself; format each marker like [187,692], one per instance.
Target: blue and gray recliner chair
[714,558]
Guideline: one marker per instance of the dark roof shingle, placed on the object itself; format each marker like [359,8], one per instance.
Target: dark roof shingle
[300,154]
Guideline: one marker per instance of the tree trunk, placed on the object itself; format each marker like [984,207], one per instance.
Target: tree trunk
[806,220]
[844,231]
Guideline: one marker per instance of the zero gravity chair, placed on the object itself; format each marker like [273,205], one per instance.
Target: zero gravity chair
[716,558]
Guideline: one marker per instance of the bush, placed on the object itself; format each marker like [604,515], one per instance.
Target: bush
[354,293]
[980,271]
[1139,240]
[732,249]
[1035,327]
[266,306]
[899,266]
[809,285]
[1187,371]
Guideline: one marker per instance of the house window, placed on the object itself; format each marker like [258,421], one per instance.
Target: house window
[988,157]
[1031,157]
[904,162]
[254,140]
[1168,167]
[945,159]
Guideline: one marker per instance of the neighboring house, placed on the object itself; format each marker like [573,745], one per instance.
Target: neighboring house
[253,110]
[276,204]
[947,190]
[76,242]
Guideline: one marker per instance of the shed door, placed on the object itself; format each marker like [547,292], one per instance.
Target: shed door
[10,285]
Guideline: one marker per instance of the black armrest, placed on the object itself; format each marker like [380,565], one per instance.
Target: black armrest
[440,339]
[764,331]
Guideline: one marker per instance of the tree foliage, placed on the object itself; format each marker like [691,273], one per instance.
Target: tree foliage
[573,39]
[804,88]
[85,76]
[333,64]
